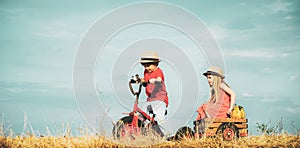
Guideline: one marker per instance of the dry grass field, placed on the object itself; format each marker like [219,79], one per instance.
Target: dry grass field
[268,137]
[283,140]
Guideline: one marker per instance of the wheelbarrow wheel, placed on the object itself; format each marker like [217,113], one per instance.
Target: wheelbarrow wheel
[228,131]
[124,128]
[184,133]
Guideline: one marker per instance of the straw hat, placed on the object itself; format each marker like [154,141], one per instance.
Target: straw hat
[214,70]
[149,57]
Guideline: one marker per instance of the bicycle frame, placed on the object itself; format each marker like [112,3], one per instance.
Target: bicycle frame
[135,107]
[135,123]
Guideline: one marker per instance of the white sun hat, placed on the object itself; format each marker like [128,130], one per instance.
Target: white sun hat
[149,57]
[214,70]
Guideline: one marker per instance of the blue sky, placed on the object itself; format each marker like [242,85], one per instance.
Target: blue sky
[259,41]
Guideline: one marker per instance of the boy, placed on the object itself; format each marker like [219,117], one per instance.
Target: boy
[155,85]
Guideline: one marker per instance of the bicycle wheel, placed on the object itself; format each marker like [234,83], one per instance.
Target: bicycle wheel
[124,127]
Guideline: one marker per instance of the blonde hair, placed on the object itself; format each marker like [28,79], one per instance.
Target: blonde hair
[215,88]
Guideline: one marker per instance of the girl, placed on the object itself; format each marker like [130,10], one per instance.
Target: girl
[222,97]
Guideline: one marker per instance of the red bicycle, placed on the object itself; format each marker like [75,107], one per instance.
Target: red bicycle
[137,122]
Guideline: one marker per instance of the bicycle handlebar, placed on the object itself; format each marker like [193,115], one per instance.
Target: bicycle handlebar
[135,80]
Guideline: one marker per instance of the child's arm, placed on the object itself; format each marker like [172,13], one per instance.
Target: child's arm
[232,96]
[154,80]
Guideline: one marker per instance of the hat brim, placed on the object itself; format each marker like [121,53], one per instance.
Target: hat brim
[214,74]
[144,61]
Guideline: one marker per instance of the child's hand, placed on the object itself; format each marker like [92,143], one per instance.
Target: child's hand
[229,111]
[143,82]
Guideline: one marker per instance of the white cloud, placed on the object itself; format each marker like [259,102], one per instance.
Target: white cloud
[267,69]
[21,87]
[284,55]
[294,77]
[56,29]
[233,31]
[248,53]
[22,90]
[256,53]
[243,4]
[246,94]
[270,100]
[219,32]
[56,34]
[276,7]
[280,6]
[11,14]
[15,90]
[288,17]
[295,109]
